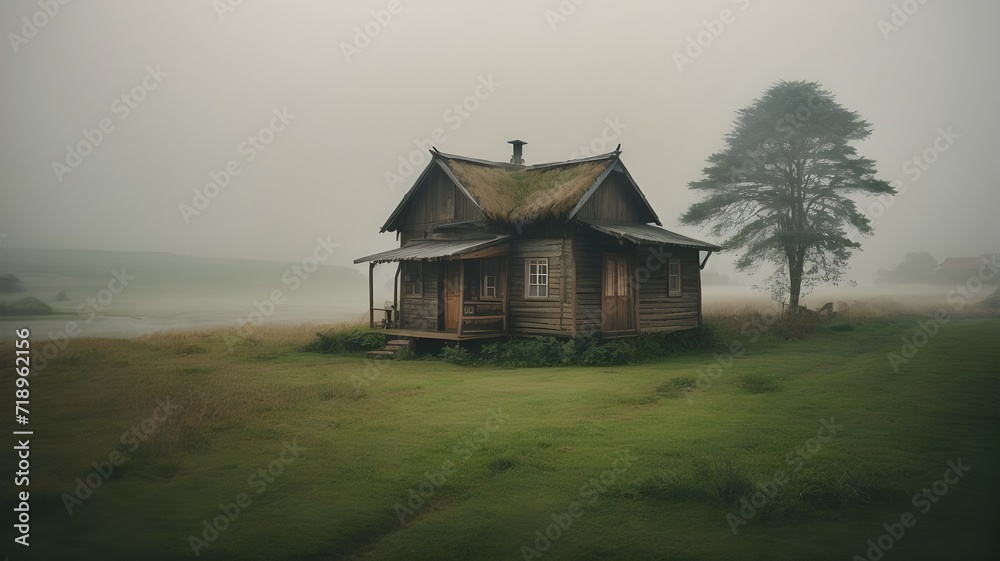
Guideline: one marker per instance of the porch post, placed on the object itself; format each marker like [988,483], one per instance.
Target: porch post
[395,292]
[461,295]
[504,283]
[371,295]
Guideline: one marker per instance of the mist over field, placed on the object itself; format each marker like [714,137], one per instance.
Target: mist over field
[125,294]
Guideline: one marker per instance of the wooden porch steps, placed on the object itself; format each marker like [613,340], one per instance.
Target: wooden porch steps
[391,349]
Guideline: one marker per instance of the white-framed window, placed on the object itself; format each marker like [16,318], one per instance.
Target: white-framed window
[491,290]
[536,284]
[674,277]
[412,285]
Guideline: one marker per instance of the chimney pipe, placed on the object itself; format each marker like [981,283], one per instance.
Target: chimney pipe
[516,159]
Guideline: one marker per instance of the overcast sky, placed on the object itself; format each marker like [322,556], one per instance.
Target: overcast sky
[344,90]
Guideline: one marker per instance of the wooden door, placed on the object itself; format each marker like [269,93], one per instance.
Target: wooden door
[452,294]
[617,305]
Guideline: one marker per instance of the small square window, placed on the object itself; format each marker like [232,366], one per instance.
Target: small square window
[674,278]
[412,285]
[491,289]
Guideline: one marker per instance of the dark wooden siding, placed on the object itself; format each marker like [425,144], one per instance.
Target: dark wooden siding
[542,316]
[657,311]
[615,200]
[437,201]
[588,255]
[422,313]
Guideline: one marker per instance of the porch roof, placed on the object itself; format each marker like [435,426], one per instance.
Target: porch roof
[645,234]
[429,250]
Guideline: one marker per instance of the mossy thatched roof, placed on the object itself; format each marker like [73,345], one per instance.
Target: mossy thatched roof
[521,194]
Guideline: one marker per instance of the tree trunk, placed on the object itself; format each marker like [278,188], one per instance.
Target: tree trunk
[795,280]
[795,286]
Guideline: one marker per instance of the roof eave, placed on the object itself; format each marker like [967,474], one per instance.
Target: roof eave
[607,228]
[473,245]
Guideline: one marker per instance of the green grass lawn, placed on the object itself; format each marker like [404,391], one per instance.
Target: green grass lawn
[634,465]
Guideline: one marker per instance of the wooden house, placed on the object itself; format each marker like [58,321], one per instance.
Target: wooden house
[566,249]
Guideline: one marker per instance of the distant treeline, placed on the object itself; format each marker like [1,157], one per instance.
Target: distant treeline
[10,283]
[923,268]
[27,306]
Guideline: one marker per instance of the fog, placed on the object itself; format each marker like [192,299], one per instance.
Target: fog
[116,115]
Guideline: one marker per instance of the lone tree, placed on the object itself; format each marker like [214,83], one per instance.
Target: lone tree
[779,189]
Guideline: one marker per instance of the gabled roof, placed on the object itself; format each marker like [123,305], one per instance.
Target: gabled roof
[517,194]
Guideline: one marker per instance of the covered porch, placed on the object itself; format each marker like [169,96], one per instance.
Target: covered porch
[444,289]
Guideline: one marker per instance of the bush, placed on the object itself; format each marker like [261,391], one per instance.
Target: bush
[537,352]
[347,339]
[838,486]
[658,345]
[797,326]
[720,482]
[541,351]
[457,355]
[617,351]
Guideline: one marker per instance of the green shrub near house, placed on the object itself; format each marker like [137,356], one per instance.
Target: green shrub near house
[533,352]
[347,339]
